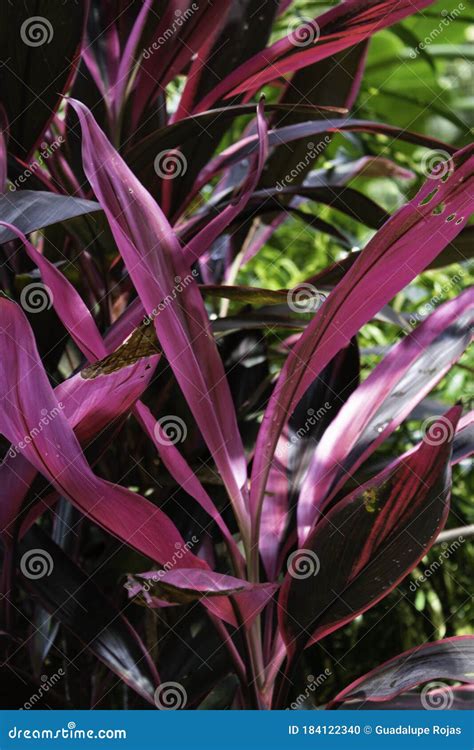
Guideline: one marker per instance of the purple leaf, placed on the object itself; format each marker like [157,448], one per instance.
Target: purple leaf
[449,659]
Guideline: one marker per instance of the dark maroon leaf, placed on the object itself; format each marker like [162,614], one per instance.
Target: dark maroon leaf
[450,659]
[366,544]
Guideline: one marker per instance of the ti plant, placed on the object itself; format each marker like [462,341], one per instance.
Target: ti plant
[197,485]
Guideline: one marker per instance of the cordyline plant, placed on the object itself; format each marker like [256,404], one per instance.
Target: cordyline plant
[268,521]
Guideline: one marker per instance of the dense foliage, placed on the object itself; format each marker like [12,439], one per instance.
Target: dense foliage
[235,410]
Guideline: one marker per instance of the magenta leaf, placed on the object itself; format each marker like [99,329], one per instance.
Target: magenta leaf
[385,398]
[366,544]
[27,401]
[400,250]
[171,299]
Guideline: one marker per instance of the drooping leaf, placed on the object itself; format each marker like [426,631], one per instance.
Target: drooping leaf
[76,602]
[30,210]
[56,453]
[448,659]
